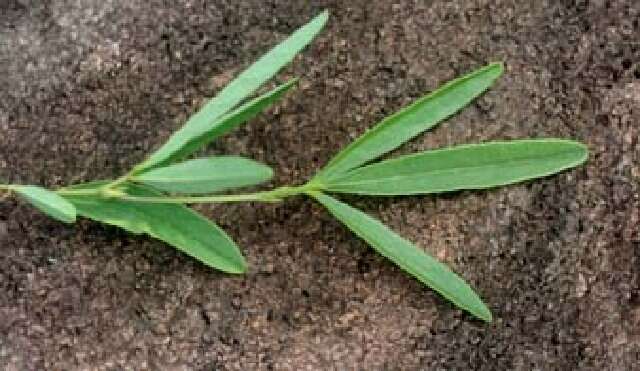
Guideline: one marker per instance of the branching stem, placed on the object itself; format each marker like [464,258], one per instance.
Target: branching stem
[118,181]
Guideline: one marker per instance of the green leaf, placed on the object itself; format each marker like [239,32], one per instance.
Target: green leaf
[48,202]
[404,125]
[235,92]
[407,256]
[474,166]
[188,140]
[206,175]
[174,224]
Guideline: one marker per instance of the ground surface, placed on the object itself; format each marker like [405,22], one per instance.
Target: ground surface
[88,87]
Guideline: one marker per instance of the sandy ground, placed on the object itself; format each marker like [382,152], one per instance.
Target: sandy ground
[87,87]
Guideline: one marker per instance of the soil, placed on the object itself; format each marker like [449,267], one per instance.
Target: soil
[87,88]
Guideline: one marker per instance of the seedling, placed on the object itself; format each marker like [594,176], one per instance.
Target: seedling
[152,197]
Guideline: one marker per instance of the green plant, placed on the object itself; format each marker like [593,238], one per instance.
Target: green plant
[151,198]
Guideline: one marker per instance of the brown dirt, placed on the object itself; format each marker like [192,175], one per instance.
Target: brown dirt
[88,87]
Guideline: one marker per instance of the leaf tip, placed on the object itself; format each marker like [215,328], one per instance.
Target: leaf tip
[240,268]
[584,152]
[324,16]
[484,314]
[497,68]
[580,151]
[293,81]
[318,22]
[288,85]
[268,173]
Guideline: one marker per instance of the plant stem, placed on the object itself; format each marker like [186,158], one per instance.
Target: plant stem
[274,195]
[123,179]
[118,181]
[197,199]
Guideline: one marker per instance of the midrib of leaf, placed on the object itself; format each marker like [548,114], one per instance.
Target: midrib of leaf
[459,169]
[203,177]
[178,179]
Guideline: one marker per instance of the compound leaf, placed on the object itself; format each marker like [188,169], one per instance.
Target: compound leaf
[407,256]
[474,166]
[235,92]
[206,175]
[174,224]
[48,202]
[404,125]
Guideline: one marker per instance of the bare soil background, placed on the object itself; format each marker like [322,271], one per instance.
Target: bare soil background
[88,87]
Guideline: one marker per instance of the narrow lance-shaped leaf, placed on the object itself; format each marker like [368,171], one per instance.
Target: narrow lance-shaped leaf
[238,90]
[174,224]
[474,166]
[206,175]
[407,256]
[194,140]
[48,202]
[422,115]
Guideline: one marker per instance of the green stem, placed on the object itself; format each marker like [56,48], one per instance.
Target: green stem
[118,181]
[123,179]
[108,189]
[274,195]
[197,199]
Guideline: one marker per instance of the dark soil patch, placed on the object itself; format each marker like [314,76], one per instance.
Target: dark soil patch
[87,88]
